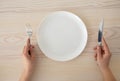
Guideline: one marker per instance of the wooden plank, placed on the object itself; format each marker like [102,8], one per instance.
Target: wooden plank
[42,5]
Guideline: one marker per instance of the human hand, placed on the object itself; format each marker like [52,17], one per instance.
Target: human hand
[102,55]
[29,58]
[28,55]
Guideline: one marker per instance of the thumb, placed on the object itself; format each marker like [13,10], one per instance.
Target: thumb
[99,55]
[31,50]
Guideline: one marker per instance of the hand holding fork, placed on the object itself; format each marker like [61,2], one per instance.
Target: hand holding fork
[29,33]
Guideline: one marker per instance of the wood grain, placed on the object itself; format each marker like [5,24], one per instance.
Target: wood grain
[14,14]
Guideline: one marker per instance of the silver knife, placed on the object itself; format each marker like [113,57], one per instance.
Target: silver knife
[100,32]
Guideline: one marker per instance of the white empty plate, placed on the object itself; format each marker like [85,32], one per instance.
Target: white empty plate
[62,36]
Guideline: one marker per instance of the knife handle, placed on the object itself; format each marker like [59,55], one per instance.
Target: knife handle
[100,43]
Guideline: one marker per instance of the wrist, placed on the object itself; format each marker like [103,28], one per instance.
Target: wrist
[104,69]
[103,66]
[28,66]
[28,69]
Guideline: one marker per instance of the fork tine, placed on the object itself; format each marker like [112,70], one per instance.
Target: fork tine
[28,25]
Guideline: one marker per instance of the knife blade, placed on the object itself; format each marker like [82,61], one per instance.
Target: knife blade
[100,32]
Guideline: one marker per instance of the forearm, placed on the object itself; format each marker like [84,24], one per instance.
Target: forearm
[107,74]
[26,75]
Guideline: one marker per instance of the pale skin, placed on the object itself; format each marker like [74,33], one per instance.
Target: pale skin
[28,60]
[102,57]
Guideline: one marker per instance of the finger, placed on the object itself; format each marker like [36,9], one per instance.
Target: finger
[27,47]
[25,53]
[95,51]
[95,56]
[104,44]
[32,46]
[95,48]
[25,50]
[32,51]
[28,42]
[99,55]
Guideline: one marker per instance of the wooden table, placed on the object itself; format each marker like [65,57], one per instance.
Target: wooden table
[14,14]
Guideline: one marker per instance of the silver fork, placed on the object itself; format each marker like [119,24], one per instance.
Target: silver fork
[29,30]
